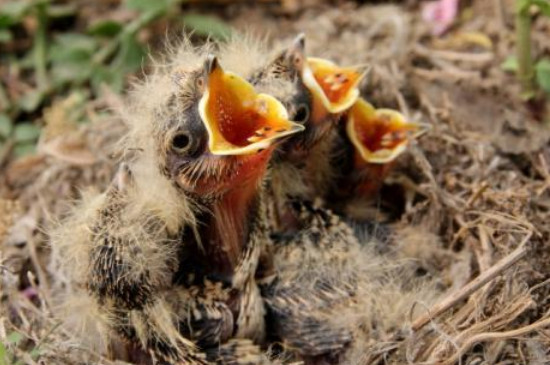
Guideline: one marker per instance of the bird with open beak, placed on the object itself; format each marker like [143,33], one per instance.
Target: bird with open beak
[242,129]
[317,92]
[167,256]
[306,285]
[370,140]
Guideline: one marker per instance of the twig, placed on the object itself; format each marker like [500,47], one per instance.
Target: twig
[477,194]
[40,47]
[491,336]
[500,13]
[472,286]
[4,100]
[484,57]
[5,153]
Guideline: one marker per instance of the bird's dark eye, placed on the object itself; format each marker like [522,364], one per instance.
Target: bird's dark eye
[302,113]
[297,60]
[181,142]
[199,82]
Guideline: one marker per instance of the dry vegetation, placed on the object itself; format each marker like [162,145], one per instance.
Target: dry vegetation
[471,199]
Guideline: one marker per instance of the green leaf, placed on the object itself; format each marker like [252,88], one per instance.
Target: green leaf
[12,12]
[35,353]
[70,72]
[130,56]
[206,25]
[543,5]
[67,43]
[26,132]
[107,75]
[24,149]
[147,6]
[542,70]
[71,56]
[6,126]
[3,352]
[61,10]
[522,6]
[105,28]
[5,36]
[510,64]
[14,338]
[31,100]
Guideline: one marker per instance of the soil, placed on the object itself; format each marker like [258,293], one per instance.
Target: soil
[473,193]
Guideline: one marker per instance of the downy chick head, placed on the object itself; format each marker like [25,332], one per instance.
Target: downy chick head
[315,91]
[377,138]
[222,134]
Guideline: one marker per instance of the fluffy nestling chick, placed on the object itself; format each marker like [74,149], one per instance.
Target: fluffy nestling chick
[369,143]
[315,282]
[318,91]
[169,256]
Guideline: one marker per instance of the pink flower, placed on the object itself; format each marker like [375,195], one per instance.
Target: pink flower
[441,14]
[30,293]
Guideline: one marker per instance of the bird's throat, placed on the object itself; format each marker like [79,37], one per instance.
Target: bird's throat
[228,226]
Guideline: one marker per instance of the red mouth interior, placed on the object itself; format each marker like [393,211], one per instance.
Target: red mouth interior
[336,82]
[241,119]
[381,132]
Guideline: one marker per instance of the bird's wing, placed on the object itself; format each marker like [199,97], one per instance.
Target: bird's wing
[313,283]
[238,352]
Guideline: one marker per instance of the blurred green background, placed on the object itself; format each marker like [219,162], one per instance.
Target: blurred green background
[51,50]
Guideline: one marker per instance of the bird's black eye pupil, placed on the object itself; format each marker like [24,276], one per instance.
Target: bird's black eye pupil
[180,141]
[302,113]
[200,82]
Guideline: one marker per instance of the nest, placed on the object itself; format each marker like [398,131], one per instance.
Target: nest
[471,199]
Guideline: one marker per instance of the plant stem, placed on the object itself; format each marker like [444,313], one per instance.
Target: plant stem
[40,47]
[526,71]
[4,100]
[128,31]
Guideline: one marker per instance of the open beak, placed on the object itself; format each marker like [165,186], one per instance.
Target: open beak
[336,87]
[238,120]
[380,135]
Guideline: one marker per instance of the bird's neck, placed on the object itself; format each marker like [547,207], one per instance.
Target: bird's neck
[318,111]
[227,226]
[367,178]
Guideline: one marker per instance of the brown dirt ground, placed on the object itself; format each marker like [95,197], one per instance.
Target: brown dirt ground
[479,181]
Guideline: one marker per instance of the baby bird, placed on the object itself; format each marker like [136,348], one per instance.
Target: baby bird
[370,141]
[306,287]
[312,284]
[169,252]
[330,295]
[318,91]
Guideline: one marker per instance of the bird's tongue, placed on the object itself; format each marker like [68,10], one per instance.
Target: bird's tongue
[240,121]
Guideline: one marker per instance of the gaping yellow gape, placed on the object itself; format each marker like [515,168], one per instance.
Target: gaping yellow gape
[336,87]
[238,120]
[380,135]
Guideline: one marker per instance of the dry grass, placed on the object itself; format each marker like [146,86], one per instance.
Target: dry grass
[479,182]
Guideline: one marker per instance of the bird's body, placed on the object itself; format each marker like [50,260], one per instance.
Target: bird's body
[168,254]
[316,92]
[369,142]
[308,287]
[181,256]
[311,285]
